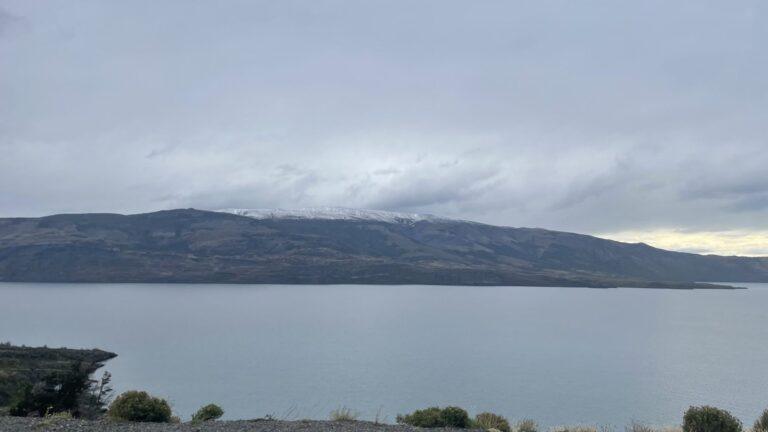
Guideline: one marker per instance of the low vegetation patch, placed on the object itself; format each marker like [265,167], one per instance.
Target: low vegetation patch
[636,426]
[435,417]
[527,425]
[576,428]
[53,419]
[207,413]
[139,406]
[489,420]
[343,414]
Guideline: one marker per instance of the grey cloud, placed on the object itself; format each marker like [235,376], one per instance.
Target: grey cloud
[752,203]
[583,189]
[591,116]
[7,20]
[417,190]
[724,188]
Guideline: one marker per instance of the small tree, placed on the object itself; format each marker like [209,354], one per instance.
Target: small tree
[761,425]
[94,402]
[710,419]
[57,392]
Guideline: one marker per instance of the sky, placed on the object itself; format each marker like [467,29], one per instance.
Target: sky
[633,120]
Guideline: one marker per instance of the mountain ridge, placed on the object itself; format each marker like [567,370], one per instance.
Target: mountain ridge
[335,213]
[197,246]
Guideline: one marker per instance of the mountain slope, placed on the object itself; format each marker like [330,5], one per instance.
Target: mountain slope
[201,246]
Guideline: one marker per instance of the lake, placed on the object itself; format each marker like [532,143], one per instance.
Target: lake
[557,355]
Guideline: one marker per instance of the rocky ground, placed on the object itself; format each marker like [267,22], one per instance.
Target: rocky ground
[19,424]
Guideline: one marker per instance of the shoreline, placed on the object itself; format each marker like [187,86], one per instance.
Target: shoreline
[677,286]
[24,424]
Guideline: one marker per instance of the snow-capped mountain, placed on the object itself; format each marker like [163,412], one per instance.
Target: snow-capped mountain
[304,247]
[335,213]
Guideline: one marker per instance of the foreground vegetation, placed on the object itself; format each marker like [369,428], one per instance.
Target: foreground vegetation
[46,368]
[40,381]
[141,407]
[56,384]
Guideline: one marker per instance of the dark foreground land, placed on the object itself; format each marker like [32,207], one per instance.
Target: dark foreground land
[19,424]
[19,364]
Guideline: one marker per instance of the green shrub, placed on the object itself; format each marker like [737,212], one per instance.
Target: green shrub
[435,417]
[761,425]
[343,414]
[527,425]
[138,406]
[488,420]
[709,419]
[208,412]
[426,418]
[455,417]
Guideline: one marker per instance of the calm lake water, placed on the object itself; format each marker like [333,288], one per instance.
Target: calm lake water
[557,355]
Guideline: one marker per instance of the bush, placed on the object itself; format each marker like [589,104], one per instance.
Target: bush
[527,425]
[435,417]
[709,419]
[426,418]
[488,420]
[208,412]
[138,406]
[761,425]
[455,417]
[343,414]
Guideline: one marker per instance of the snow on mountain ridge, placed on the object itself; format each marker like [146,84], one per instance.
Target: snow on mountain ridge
[334,213]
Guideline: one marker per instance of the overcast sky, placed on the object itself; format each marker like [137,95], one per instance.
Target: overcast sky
[638,120]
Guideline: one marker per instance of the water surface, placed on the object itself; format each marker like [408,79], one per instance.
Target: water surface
[557,355]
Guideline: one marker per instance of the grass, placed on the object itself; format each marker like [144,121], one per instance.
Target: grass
[526,425]
[489,421]
[574,428]
[52,419]
[343,414]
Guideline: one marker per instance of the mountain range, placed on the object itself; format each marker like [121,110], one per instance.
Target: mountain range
[339,246]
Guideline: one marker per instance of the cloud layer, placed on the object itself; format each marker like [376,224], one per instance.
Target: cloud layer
[593,116]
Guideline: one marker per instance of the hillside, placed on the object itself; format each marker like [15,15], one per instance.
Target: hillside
[218,247]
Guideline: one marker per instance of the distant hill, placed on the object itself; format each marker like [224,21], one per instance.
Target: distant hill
[338,246]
